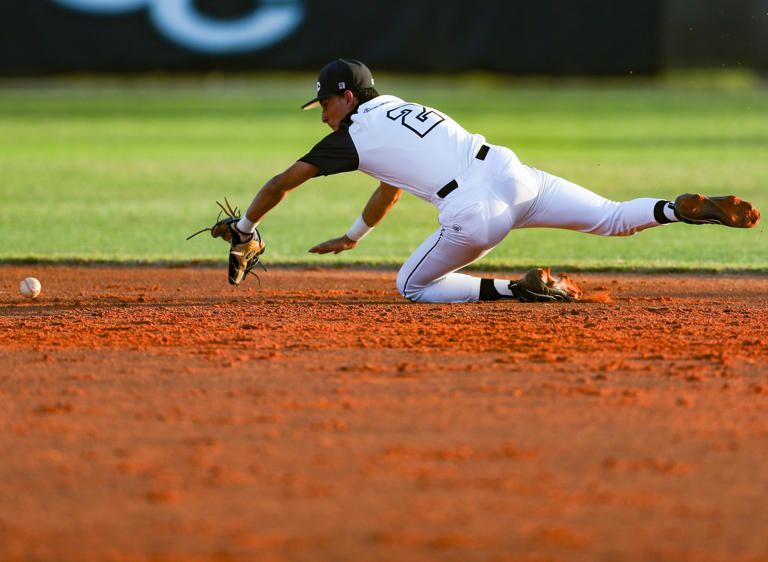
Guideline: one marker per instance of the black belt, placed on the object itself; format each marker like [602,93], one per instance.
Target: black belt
[451,185]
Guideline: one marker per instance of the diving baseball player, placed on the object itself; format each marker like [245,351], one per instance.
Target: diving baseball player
[481,191]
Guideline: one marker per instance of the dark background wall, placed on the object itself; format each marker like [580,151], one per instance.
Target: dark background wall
[515,36]
[707,33]
[592,37]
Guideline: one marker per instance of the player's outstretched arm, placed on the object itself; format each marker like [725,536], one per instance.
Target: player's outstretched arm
[378,205]
[277,188]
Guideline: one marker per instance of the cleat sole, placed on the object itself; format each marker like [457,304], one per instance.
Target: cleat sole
[727,210]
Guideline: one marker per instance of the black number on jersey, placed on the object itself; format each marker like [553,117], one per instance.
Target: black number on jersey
[417,118]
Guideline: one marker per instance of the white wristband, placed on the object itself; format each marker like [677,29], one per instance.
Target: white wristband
[245,225]
[358,230]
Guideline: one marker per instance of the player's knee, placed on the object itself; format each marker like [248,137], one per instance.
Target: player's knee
[414,294]
[407,288]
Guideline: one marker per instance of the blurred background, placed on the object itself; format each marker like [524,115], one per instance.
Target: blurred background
[122,121]
[558,37]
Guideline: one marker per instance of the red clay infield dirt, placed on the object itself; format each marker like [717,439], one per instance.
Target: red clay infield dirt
[160,414]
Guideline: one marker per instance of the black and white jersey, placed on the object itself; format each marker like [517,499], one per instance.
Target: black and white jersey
[407,145]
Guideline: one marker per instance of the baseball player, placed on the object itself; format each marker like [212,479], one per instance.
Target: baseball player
[481,191]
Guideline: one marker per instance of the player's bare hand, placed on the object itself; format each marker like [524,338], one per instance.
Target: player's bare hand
[336,245]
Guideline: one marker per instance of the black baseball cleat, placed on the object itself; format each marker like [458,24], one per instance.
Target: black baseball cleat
[694,208]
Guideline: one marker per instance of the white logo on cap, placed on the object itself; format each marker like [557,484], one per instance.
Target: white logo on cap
[342,85]
[318,86]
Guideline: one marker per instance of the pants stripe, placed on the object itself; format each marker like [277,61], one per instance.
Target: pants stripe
[405,285]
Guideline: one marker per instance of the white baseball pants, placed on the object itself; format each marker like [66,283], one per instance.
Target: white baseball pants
[495,196]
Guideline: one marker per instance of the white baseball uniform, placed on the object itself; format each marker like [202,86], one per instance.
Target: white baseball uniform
[481,191]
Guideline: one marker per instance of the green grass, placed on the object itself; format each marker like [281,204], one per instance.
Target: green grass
[124,171]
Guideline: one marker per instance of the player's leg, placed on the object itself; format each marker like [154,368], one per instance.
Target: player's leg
[563,204]
[429,274]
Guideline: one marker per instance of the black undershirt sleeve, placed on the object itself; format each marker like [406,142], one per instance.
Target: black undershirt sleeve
[334,154]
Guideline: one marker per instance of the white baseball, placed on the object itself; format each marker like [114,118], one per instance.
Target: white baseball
[30,287]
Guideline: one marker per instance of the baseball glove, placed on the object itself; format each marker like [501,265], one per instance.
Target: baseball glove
[538,285]
[244,248]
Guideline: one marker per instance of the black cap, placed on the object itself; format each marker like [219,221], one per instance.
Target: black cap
[338,76]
